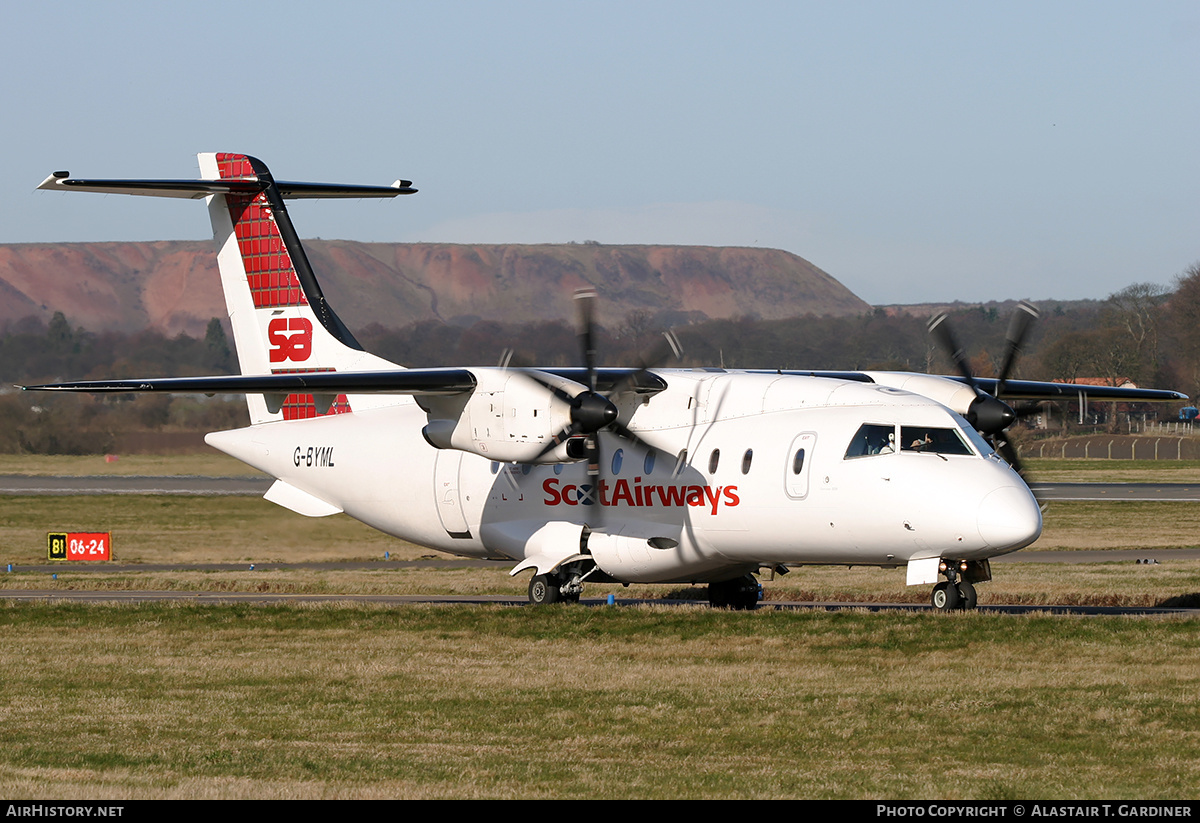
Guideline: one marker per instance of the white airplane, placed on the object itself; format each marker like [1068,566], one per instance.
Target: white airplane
[634,475]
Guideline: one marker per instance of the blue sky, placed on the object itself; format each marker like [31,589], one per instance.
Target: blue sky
[916,151]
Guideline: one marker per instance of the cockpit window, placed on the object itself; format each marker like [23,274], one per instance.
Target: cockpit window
[872,438]
[932,440]
[982,446]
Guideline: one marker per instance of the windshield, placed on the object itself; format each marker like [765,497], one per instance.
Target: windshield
[872,438]
[933,440]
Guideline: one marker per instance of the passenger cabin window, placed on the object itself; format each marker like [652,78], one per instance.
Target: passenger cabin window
[746,458]
[932,440]
[872,439]
[798,462]
[617,458]
[714,460]
[648,464]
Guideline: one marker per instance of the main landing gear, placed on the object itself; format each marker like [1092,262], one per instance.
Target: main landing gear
[741,594]
[561,586]
[564,585]
[953,593]
[552,588]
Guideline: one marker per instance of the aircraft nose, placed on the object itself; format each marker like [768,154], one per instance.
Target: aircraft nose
[1009,518]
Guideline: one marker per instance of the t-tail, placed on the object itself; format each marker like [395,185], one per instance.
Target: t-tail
[281,321]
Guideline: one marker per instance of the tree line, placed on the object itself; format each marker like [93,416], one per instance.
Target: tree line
[1146,333]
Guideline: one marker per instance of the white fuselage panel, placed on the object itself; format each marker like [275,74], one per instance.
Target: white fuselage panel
[723,488]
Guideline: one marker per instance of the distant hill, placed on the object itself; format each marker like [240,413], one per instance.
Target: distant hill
[173,286]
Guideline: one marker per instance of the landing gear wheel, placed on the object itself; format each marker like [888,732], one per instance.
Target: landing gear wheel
[945,597]
[967,599]
[544,589]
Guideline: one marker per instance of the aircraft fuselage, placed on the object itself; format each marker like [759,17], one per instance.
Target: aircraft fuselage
[735,471]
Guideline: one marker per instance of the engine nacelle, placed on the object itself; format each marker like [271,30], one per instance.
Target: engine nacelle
[950,393]
[509,417]
[986,413]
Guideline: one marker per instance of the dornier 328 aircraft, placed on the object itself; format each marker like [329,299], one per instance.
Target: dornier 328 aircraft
[627,475]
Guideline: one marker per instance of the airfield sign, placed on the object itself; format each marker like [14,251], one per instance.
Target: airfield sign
[77,546]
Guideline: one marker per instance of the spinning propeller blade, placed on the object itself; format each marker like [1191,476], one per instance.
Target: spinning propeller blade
[990,415]
[593,411]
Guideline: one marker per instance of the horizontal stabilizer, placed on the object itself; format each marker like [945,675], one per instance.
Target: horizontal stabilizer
[199,189]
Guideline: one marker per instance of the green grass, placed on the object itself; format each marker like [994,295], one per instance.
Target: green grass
[1077,470]
[1096,524]
[191,529]
[421,702]
[1093,584]
[344,701]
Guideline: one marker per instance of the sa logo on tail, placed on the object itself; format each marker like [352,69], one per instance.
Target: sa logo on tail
[290,339]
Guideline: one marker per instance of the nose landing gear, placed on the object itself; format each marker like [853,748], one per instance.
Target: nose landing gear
[953,593]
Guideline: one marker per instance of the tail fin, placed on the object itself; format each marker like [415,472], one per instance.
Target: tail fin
[281,321]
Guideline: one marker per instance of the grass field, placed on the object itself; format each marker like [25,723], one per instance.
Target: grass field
[337,701]
[1054,470]
[469,702]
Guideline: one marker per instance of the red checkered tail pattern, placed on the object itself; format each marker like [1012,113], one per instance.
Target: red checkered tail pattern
[281,320]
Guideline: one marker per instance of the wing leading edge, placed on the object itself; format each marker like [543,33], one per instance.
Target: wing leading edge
[424,382]
[1023,389]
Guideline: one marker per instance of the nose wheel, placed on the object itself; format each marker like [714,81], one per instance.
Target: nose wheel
[951,595]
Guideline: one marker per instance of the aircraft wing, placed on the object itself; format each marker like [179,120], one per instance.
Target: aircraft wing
[1039,390]
[1023,389]
[399,381]
[425,382]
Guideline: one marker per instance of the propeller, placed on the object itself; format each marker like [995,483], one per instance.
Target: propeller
[988,413]
[590,411]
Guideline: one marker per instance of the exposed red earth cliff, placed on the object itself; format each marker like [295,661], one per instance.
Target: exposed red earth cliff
[173,286]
